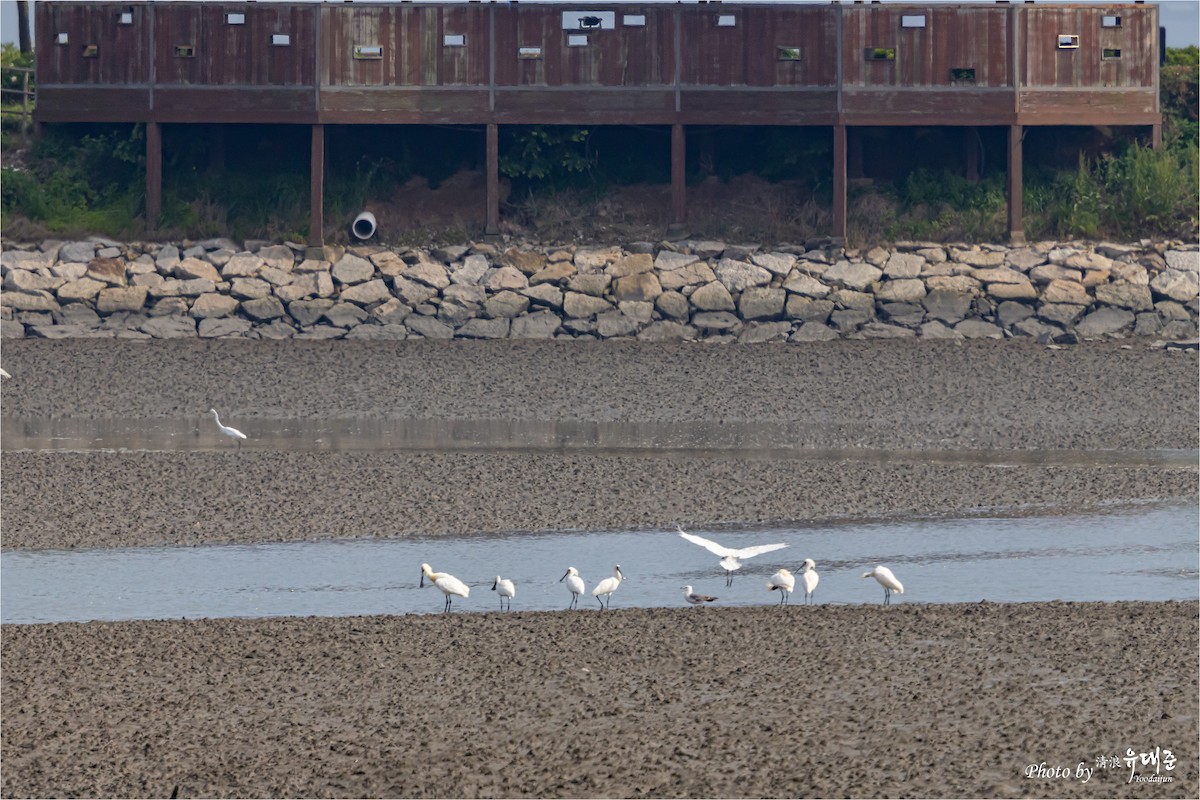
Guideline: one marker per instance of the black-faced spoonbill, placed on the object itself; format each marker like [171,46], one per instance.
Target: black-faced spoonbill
[449,584]
[695,599]
[607,586]
[784,581]
[505,588]
[731,559]
[574,584]
[810,578]
[888,581]
[232,433]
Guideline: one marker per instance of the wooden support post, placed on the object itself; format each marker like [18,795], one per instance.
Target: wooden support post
[1156,136]
[971,152]
[678,179]
[492,226]
[316,227]
[1016,185]
[839,183]
[153,174]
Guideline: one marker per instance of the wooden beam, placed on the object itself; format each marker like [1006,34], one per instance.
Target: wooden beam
[678,177]
[1016,221]
[153,175]
[316,227]
[839,182]
[492,227]
[1156,136]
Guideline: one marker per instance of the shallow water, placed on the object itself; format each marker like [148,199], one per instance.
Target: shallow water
[715,438]
[1143,552]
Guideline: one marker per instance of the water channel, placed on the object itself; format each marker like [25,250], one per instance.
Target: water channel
[1145,551]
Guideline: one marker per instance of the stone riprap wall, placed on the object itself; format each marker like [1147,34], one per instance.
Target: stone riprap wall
[1052,292]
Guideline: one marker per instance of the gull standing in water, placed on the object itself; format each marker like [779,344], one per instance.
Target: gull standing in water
[232,433]
[574,583]
[448,584]
[608,586]
[888,581]
[731,558]
[695,599]
[810,578]
[505,588]
[784,581]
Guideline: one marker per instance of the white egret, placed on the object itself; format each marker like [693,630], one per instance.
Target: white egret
[887,580]
[574,583]
[731,558]
[4,374]
[607,586]
[810,578]
[505,588]
[232,433]
[695,599]
[784,581]
[448,584]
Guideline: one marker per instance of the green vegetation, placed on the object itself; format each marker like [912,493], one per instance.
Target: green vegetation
[252,181]
[13,64]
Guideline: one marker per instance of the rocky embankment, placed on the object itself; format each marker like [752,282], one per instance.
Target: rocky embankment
[655,291]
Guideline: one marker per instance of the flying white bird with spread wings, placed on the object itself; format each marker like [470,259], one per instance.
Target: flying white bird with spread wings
[731,558]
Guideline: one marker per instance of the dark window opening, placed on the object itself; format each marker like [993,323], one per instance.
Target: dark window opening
[963,76]
[880,54]
[1110,54]
[185,51]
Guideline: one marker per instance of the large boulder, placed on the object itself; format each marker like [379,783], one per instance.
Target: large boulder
[1104,322]
[854,275]
[737,276]
[130,298]
[712,296]
[641,286]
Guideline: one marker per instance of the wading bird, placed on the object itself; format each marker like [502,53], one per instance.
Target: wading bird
[731,559]
[574,583]
[607,586]
[232,433]
[4,374]
[784,581]
[505,588]
[448,584]
[695,599]
[888,581]
[810,578]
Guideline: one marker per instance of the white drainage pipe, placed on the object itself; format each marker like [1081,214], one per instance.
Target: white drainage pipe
[364,225]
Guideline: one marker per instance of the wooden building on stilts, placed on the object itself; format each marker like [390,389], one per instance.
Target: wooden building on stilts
[854,70]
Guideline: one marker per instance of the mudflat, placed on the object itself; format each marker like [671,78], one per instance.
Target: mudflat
[893,401]
[861,701]
[824,701]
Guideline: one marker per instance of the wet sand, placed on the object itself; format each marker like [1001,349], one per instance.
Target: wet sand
[914,700]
